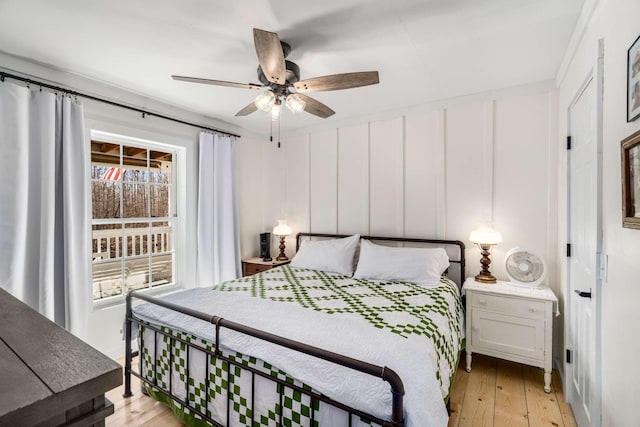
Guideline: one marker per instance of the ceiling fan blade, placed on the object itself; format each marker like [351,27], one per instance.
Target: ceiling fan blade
[270,56]
[315,107]
[338,81]
[217,82]
[247,110]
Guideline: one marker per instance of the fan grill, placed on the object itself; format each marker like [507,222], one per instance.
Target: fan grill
[524,267]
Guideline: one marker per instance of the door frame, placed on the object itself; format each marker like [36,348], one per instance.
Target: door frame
[596,76]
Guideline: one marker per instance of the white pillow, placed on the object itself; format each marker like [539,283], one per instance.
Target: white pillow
[422,266]
[335,255]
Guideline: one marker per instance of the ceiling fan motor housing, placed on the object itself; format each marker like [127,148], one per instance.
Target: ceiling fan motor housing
[292,70]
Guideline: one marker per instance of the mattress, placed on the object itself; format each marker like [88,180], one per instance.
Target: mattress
[415,330]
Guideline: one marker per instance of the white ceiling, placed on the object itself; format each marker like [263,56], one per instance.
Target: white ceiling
[425,50]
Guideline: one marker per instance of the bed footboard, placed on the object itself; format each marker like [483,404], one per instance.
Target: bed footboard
[214,353]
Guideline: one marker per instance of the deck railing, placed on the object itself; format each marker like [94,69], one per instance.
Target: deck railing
[131,259]
[108,244]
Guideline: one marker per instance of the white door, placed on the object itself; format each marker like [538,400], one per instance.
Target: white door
[582,329]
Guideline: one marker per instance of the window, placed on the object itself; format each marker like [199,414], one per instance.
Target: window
[134,216]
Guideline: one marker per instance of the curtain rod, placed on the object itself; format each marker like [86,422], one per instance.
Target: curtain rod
[4,75]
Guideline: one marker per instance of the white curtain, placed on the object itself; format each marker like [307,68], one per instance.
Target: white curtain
[44,229]
[218,223]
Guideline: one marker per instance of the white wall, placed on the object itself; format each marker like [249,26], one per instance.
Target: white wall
[433,173]
[615,21]
[253,194]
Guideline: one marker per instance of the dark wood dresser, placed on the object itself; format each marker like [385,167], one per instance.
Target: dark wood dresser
[49,377]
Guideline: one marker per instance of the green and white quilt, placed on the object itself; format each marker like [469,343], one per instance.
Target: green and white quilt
[415,330]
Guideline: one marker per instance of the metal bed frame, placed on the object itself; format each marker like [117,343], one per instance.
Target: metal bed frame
[383,372]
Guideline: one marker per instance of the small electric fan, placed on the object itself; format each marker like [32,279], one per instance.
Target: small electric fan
[525,268]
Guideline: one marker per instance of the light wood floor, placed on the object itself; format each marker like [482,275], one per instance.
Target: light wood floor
[495,393]
[500,393]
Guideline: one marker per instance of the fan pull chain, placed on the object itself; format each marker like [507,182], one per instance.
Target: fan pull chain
[278,133]
[271,131]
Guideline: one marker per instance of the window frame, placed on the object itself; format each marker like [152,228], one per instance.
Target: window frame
[176,218]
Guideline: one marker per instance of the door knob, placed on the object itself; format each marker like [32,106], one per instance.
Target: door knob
[584,294]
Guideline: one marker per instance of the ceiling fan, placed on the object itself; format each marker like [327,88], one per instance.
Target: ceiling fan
[282,80]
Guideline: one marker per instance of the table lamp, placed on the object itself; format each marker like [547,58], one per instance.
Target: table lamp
[282,230]
[485,237]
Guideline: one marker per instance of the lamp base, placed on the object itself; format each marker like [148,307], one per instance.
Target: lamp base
[485,275]
[282,256]
[485,278]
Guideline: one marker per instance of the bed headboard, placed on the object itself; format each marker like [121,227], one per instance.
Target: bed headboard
[455,249]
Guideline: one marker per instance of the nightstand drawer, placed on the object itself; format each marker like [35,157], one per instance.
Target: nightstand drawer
[251,269]
[512,306]
[256,265]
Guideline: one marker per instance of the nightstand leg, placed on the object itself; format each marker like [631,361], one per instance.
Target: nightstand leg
[547,381]
[468,361]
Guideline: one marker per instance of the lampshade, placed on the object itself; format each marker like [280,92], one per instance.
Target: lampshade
[295,103]
[485,235]
[275,111]
[265,100]
[282,229]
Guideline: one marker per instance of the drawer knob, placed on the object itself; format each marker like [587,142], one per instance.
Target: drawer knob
[533,309]
[475,328]
[482,302]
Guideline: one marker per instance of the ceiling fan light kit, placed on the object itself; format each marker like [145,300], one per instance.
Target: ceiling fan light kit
[281,78]
[265,100]
[275,111]
[295,103]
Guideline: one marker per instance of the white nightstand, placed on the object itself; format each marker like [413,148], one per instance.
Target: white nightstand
[510,322]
